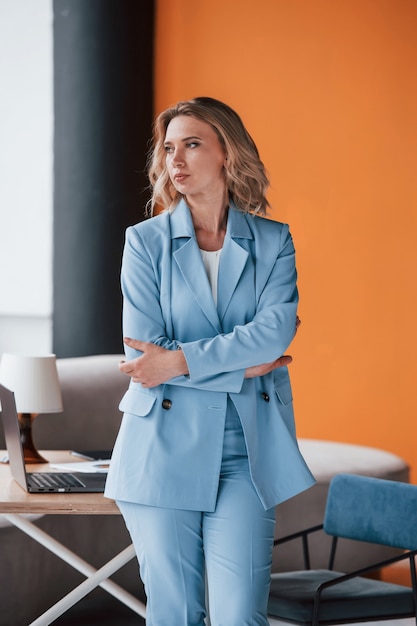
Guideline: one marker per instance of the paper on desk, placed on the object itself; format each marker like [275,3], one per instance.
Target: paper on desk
[90,467]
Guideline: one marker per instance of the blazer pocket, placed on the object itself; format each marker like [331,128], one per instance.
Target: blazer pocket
[137,402]
[283,389]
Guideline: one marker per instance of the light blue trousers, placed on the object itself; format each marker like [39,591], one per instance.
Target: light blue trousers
[233,545]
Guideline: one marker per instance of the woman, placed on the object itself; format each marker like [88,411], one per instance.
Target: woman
[207,444]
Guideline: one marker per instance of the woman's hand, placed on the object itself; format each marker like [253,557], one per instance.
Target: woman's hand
[155,366]
[265,368]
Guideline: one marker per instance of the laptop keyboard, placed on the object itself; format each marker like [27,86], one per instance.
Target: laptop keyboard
[54,481]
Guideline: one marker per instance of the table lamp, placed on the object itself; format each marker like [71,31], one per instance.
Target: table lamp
[35,383]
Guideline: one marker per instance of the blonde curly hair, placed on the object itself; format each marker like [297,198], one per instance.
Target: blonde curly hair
[245,174]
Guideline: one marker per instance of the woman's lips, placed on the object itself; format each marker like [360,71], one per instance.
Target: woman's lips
[180,178]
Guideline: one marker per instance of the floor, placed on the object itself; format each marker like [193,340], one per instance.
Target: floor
[106,612]
[100,609]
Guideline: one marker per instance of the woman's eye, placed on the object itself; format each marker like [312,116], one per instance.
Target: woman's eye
[193,144]
[168,148]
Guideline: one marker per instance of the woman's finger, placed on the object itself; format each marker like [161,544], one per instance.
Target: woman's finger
[136,344]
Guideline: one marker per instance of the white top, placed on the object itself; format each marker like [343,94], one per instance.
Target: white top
[211,260]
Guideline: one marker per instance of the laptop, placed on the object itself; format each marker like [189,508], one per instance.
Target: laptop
[40,482]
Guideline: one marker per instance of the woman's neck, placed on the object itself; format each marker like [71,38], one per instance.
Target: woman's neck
[210,222]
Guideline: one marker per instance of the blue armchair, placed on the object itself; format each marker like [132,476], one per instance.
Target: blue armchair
[367,509]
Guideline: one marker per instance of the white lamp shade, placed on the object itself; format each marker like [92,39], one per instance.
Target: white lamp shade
[34,381]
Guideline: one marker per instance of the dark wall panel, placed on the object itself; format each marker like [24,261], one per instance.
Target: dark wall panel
[103,108]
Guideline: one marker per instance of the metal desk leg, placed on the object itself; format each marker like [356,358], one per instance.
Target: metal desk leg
[82,590]
[82,566]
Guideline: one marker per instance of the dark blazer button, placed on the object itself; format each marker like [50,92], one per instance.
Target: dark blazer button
[265,396]
[166,404]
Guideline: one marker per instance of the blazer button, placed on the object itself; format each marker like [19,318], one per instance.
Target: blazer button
[166,404]
[265,396]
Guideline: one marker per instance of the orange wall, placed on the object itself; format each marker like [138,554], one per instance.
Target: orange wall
[328,89]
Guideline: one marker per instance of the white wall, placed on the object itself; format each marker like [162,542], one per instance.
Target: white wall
[26,175]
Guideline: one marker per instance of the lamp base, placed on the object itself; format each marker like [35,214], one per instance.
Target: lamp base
[30,453]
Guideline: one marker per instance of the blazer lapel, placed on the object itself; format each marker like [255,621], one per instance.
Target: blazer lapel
[233,258]
[188,258]
[232,261]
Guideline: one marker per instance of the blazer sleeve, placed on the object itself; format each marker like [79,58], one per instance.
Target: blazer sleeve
[267,336]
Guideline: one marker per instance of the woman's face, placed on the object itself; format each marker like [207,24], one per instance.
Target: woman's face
[195,158]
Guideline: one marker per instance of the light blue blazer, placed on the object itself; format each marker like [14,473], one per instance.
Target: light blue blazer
[169,448]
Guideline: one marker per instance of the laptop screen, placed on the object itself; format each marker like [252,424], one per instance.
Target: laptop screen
[12,436]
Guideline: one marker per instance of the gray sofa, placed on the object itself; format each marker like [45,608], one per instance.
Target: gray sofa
[32,579]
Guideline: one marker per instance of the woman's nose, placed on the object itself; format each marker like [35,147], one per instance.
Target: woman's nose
[178,158]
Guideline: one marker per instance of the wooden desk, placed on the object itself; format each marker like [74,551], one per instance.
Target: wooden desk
[15,503]
[13,499]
